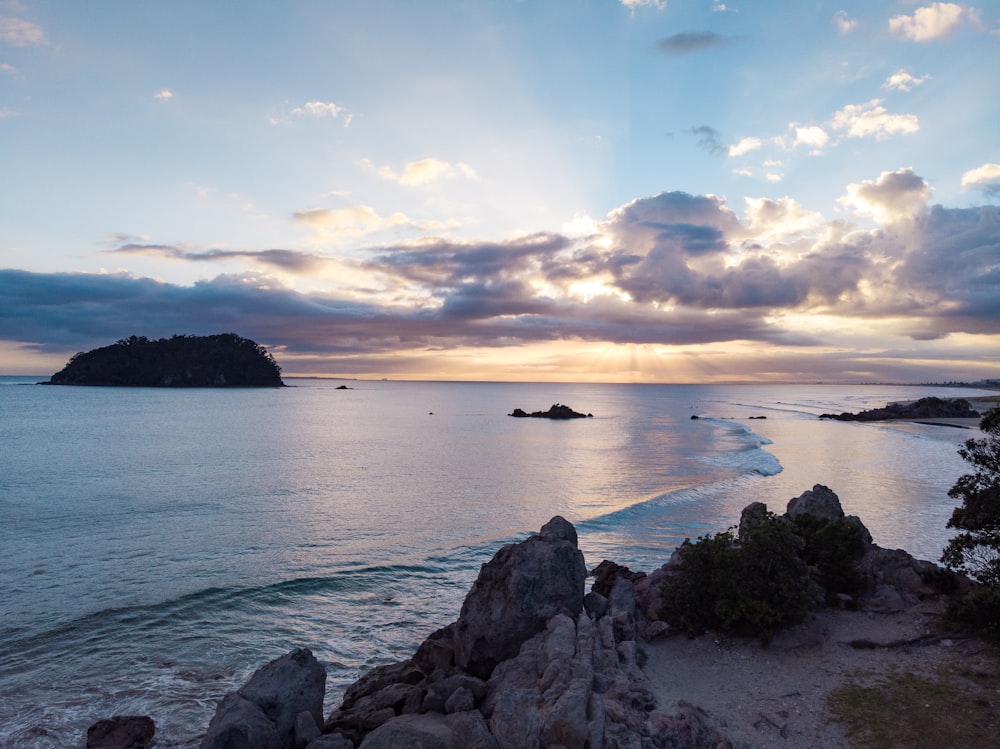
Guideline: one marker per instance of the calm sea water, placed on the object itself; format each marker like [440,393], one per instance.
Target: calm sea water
[157,546]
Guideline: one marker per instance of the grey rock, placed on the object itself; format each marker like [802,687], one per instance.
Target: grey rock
[305,728]
[460,701]
[330,741]
[239,723]
[279,691]
[515,595]
[753,514]
[427,731]
[820,502]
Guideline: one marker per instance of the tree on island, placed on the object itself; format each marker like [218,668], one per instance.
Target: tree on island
[222,360]
[975,550]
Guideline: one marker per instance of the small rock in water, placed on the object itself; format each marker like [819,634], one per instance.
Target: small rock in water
[121,732]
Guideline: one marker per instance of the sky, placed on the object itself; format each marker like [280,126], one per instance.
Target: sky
[538,190]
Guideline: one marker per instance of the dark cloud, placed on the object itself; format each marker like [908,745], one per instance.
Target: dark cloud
[688,42]
[294,261]
[710,139]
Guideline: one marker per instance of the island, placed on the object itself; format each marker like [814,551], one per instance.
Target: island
[556,411]
[925,408]
[221,360]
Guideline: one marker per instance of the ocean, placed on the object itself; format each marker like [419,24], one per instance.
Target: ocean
[157,546]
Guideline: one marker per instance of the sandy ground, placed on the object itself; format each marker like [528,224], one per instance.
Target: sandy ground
[776,696]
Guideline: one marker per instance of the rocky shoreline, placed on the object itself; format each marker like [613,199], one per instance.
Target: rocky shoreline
[534,660]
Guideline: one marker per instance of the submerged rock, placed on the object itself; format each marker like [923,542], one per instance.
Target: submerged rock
[122,732]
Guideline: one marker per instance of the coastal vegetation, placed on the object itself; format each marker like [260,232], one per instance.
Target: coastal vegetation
[222,360]
[975,549]
[766,577]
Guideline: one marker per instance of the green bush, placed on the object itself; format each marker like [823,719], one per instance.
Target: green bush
[831,549]
[978,611]
[751,587]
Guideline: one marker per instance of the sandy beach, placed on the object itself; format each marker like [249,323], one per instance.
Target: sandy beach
[777,695]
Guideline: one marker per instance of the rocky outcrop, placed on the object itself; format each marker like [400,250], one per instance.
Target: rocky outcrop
[925,408]
[556,411]
[223,360]
[526,664]
[280,705]
[530,662]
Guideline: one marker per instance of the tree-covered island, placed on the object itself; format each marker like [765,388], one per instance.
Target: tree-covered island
[222,360]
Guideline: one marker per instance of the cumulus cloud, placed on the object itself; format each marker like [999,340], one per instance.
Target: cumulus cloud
[894,196]
[424,171]
[935,21]
[985,177]
[164,94]
[692,41]
[743,146]
[7,68]
[20,33]
[812,136]
[844,23]
[872,120]
[769,219]
[351,222]
[903,81]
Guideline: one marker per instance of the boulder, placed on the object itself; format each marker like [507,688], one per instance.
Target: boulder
[121,732]
[275,695]
[515,595]
[820,502]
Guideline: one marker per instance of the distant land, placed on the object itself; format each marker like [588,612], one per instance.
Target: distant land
[222,360]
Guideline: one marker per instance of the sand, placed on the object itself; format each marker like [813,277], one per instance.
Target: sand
[776,696]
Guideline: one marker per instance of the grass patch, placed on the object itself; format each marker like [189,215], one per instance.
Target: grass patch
[948,709]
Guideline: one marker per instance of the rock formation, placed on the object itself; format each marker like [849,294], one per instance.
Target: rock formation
[925,408]
[224,360]
[556,411]
[530,662]
[121,732]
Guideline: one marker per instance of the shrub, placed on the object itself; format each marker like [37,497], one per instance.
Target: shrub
[752,586]
[831,548]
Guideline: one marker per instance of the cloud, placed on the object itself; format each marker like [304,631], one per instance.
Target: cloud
[745,145]
[20,33]
[633,4]
[669,269]
[164,94]
[844,23]
[935,21]
[894,196]
[295,261]
[7,68]
[352,222]
[7,113]
[424,171]
[985,177]
[768,219]
[871,119]
[692,41]
[709,139]
[315,110]
[903,81]
[812,136]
